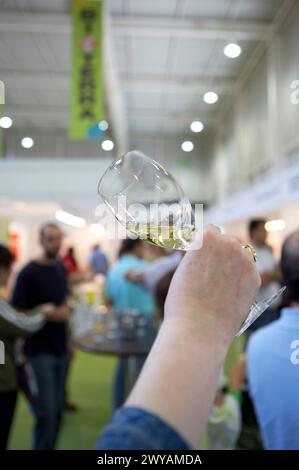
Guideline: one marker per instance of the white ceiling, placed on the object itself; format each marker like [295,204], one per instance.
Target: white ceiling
[166,55]
[251,9]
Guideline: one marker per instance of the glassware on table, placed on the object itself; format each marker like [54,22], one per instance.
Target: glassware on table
[133,186]
[128,320]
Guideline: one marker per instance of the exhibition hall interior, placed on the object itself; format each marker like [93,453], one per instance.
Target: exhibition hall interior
[149,169]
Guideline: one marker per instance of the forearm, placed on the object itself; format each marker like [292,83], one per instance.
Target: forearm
[21,324]
[180,377]
[59,314]
[137,277]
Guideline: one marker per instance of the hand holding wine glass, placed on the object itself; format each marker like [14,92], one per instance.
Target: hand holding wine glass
[149,202]
[214,287]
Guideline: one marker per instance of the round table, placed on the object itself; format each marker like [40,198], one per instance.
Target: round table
[111,342]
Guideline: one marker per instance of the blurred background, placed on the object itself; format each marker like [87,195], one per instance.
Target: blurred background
[159,60]
[208,89]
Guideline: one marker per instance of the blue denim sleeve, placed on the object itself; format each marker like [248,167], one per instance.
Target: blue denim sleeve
[136,429]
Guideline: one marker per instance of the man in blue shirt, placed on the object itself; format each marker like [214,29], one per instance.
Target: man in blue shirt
[98,261]
[126,295]
[123,293]
[273,366]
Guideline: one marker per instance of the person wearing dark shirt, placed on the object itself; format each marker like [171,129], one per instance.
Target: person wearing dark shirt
[44,281]
[14,324]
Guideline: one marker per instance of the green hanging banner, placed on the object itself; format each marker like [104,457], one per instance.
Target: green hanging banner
[87,90]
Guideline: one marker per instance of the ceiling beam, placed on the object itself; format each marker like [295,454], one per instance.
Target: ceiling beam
[40,113]
[189,28]
[52,23]
[37,113]
[151,135]
[113,90]
[182,85]
[132,83]
[173,117]
[245,30]
[23,80]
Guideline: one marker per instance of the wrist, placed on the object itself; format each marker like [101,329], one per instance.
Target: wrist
[194,333]
[236,394]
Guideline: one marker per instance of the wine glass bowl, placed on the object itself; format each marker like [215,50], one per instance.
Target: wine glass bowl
[148,201]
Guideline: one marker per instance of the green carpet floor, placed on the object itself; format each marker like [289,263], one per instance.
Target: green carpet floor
[90,388]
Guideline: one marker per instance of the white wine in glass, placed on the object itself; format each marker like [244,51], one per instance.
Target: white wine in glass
[149,202]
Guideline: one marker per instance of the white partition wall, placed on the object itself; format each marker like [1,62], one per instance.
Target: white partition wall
[258,134]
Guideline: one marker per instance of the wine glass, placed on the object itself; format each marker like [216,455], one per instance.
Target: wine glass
[146,199]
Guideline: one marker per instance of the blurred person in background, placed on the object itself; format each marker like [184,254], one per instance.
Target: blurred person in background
[70,262]
[273,363]
[120,291]
[250,437]
[161,290]
[150,277]
[98,261]
[126,295]
[44,281]
[153,252]
[74,276]
[13,325]
[224,422]
[268,269]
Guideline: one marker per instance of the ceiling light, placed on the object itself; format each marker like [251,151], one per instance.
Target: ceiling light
[103,125]
[210,97]
[6,122]
[70,219]
[107,145]
[232,50]
[187,146]
[196,126]
[27,142]
[275,225]
[97,230]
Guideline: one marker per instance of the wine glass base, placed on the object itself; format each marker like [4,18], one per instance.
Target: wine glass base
[257,309]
